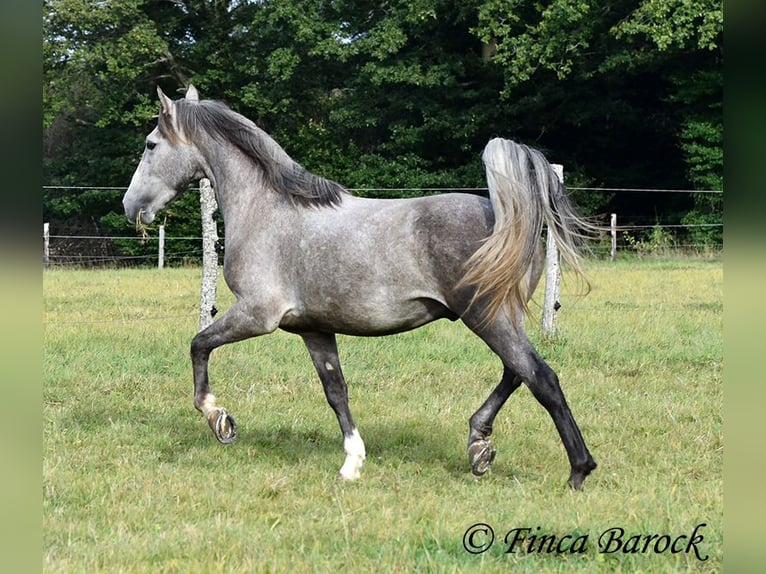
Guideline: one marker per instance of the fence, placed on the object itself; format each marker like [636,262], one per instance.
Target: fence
[659,242]
[61,249]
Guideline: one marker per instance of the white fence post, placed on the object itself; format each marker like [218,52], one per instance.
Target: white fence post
[161,251]
[46,245]
[552,275]
[613,230]
[208,206]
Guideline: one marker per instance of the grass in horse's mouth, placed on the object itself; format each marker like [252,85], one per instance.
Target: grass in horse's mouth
[140,225]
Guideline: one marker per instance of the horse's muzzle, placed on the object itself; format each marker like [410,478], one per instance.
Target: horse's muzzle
[136,214]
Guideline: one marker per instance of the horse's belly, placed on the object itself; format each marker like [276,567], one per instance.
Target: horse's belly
[366,317]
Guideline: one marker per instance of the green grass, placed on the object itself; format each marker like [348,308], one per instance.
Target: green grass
[134,480]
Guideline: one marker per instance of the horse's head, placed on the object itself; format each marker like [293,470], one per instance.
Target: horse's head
[169,164]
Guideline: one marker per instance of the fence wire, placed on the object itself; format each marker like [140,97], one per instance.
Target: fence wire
[82,250]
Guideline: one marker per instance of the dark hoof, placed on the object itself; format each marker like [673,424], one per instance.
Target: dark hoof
[481,453]
[577,477]
[224,427]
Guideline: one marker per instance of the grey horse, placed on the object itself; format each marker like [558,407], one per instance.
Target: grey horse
[304,255]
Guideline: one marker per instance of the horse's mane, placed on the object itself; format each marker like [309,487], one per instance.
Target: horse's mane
[282,173]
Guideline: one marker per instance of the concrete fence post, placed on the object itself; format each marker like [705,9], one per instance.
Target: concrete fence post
[552,276]
[46,245]
[208,206]
[161,249]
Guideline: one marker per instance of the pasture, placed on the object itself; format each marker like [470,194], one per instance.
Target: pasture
[134,481]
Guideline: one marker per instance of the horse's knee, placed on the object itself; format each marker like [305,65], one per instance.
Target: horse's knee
[198,348]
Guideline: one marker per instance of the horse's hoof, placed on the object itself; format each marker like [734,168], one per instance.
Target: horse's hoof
[577,477]
[224,427]
[481,453]
[349,475]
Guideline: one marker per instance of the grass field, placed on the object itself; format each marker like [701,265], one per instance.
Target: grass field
[134,481]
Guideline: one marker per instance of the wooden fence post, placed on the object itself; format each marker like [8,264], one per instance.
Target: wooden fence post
[208,206]
[161,251]
[613,229]
[46,245]
[552,275]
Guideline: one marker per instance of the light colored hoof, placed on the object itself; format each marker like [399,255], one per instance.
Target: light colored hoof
[349,477]
[350,470]
[223,425]
[481,453]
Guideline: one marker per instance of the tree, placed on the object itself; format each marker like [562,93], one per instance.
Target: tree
[99,60]
[691,32]
[398,94]
[627,94]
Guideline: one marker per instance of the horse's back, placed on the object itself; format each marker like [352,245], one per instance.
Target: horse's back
[426,238]
[370,267]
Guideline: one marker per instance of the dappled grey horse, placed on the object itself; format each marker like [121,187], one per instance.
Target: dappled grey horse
[305,256]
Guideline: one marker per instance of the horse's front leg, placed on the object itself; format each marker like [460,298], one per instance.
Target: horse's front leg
[324,354]
[235,325]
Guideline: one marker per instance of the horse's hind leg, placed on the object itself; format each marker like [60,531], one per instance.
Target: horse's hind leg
[324,354]
[481,453]
[522,363]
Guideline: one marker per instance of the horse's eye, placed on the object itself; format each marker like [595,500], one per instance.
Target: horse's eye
[151,145]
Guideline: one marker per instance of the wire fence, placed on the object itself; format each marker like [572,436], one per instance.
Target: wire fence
[641,235]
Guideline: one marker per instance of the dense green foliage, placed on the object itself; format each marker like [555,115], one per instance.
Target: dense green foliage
[397,94]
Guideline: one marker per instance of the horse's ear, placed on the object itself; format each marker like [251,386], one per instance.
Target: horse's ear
[167,103]
[191,94]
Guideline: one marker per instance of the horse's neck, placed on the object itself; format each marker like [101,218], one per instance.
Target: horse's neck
[239,183]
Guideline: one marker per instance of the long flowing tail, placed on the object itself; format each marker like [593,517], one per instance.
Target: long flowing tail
[524,191]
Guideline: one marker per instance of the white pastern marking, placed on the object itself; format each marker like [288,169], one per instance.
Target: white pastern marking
[328,366]
[208,405]
[355,455]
